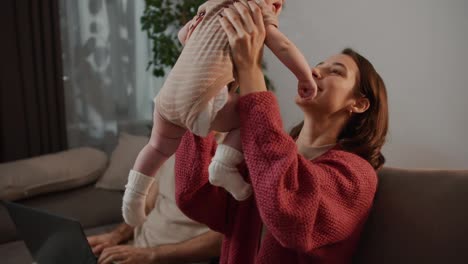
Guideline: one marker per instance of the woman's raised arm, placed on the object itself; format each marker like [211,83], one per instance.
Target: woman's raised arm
[246,38]
[304,204]
[195,196]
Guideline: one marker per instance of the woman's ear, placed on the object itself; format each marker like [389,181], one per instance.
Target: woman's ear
[361,105]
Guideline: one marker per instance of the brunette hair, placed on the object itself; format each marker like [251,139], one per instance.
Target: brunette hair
[365,133]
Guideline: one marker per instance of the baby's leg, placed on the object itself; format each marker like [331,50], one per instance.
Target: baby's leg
[227,118]
[164,141]
[223,168]
[165,138]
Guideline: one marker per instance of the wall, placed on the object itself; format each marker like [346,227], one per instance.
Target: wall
[420,48]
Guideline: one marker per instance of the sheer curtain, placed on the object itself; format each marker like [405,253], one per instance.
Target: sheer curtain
[107,87]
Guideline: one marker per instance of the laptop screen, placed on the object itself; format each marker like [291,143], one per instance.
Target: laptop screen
[51,238]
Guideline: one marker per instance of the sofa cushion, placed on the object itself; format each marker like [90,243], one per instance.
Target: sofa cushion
[91,206]
[419,216]
[53,172]
[122,159]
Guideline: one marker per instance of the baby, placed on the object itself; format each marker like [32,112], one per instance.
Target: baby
[200,95]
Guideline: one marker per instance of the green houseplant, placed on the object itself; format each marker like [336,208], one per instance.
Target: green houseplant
[161,20]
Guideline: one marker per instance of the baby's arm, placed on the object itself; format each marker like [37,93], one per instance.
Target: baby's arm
[288,53]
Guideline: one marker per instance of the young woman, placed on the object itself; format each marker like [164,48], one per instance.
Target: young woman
[199,95]
[313,191]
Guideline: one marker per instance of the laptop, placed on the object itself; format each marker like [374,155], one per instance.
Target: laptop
[51,238]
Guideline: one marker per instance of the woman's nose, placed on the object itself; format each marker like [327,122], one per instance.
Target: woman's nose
[316,73]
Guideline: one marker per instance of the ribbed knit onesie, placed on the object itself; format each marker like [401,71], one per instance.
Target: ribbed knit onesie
[202,70]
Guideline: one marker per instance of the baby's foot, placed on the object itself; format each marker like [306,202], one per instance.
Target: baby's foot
[223,172]
[134,199]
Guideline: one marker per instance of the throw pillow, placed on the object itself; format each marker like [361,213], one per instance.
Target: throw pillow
[122,159]
[52,172]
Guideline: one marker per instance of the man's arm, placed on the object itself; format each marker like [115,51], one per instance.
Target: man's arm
[201,248]
[122,233]
[197,249]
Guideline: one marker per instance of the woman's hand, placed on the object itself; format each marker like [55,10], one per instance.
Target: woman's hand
[246,33]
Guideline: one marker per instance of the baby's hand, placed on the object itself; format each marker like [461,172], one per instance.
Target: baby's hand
[307,88]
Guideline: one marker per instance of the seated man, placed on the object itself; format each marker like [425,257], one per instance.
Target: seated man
[167,236]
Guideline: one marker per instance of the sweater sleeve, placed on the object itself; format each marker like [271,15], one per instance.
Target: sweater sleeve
[304,204]
[195,196]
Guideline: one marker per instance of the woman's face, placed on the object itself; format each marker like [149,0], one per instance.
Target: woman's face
[336,78]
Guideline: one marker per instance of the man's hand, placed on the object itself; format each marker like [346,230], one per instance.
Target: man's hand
[100,242]
[127,255]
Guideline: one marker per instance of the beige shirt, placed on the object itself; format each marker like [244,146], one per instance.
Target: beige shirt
[311,153]
[166,224]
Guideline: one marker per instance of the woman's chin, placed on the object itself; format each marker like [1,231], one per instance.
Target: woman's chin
[304,100]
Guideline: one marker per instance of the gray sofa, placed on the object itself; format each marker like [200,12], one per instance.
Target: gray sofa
[83,183]
[419,216]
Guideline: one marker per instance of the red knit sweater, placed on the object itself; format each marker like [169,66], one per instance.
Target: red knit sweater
[313,211]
